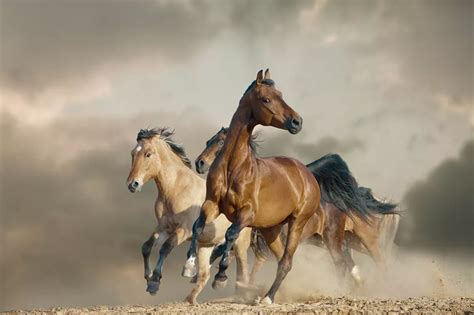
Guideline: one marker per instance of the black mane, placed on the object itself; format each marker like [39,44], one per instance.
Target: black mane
[165,134]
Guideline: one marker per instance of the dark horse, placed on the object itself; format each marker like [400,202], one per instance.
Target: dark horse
[253,191]
[339,190]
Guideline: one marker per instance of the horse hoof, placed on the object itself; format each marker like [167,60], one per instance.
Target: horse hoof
[153,287]
[194,279]
[189,272]
[191,300]
[257,300]
[189,269]
[266,301]
[219,284]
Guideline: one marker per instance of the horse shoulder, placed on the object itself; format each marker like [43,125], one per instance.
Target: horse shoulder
[215,185]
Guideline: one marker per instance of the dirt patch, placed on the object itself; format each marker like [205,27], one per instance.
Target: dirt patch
[340,305]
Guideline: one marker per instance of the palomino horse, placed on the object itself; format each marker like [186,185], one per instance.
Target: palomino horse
[374,238]
[253,191]
[181,193]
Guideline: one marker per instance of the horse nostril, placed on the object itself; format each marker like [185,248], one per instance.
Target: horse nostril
[295,122]
[201,163]
[135,184]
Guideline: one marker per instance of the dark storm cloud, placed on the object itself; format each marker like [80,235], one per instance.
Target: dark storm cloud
[307,151]
[431,40]
[47,42]
[440,209]
[53,42]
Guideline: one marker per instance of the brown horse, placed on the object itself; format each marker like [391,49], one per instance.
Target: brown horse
[253,191]
[181,193]
[374,239]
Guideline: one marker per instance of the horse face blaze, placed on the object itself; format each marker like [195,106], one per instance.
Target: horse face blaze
[140,167]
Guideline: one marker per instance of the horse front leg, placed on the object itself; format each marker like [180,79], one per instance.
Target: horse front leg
[231,235]
[178,236]
[146,252]
[295,229]
[209,212]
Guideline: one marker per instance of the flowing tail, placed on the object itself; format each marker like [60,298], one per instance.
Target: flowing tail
[259,245]
[375,205]
[339,187]
[388,231]
[389,220]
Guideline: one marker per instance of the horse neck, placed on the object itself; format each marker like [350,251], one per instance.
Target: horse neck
[173,175]
[236,147]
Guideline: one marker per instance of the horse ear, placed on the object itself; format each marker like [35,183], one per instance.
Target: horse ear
[267,74]
[259,77]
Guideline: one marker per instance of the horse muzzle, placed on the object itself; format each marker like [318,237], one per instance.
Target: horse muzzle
[134,186]
[294,124]
[201,166]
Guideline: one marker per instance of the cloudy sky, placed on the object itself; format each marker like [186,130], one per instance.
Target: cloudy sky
[387,84]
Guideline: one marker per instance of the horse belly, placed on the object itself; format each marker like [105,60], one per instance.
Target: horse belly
[275,203]
[264,220]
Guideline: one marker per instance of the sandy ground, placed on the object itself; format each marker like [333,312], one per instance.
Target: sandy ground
[321,305]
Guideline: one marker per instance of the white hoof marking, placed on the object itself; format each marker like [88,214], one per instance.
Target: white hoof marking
[189,269]
[355,272]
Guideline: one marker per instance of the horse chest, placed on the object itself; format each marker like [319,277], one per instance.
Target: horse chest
[228,204]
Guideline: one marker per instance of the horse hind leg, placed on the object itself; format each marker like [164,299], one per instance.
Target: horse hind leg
[241,246]
[257,265]
[369,237]
[274,243]
[153,284]
[295,229]
[203,274]
[333,236]
[371,242]
[273,240]
[351,265]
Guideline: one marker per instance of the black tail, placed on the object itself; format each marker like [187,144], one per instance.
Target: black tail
[340,188]
[375,205]
[259,245]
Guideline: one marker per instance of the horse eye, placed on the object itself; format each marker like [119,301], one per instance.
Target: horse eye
[148,154]
[266,100]
[221,143]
